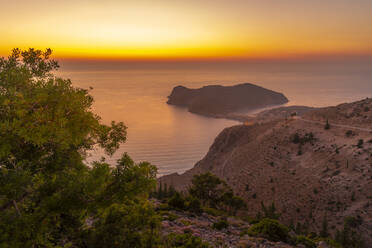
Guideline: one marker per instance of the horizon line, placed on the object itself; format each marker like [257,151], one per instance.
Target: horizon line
[288,58]
[232,58]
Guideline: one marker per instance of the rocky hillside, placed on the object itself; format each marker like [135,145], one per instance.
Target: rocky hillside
[179,222]
[313,174]
[217,101]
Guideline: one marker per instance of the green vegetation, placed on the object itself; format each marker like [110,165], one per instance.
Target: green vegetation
[269,212]
[327,125]
[177,201]
[297,139]
[349,133]
[349,236]
[270,229]
[48,196]
[207,193]
[221,224]
[215,193]
[324,232]
[360,143]
[307,242]
[184,241]
[308,137]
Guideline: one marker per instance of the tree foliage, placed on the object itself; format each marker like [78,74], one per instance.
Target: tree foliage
[48,196]
[214,192]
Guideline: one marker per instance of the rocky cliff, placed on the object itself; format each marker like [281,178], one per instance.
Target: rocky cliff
[311,173]
[215,100]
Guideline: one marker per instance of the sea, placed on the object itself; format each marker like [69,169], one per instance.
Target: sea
[172,138]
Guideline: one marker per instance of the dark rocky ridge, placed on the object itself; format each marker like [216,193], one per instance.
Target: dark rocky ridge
[217,101]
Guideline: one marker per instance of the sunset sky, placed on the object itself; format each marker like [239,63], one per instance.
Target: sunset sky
[175,29]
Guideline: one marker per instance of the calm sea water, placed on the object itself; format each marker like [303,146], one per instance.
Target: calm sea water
[172,138]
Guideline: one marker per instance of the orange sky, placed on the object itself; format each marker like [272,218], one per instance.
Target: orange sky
[175,29]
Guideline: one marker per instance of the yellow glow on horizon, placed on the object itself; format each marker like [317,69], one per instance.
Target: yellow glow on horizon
[193,29]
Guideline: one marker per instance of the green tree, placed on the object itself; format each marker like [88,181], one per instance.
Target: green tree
[233,203]
[48,196]
[208,188]
[327,125]
[177,201]
[194,205]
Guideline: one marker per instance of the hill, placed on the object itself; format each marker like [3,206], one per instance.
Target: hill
[312,174]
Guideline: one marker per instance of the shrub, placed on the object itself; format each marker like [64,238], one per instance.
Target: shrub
[177,201]
[270,211]
[171,217]
[353,221]
[308,137]
[360,143]
[299,152]
[269,229]
[184,241]
[307,242]
[350,236]
[324,231]
[296,138]
[327,125]
[221,224]
[247,185]
[349,133]
[194,205]
[213,211]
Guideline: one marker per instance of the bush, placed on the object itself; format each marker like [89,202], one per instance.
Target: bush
[221,224]
[213,211]
[184,241]
[171,217]
[327,125]
[194,205]
[296,138]
[308,137]
[177,201]
[307,242]
[360,143]
[269,229]
[349,133]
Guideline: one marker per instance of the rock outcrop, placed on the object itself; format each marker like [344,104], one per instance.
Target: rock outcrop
[218,101]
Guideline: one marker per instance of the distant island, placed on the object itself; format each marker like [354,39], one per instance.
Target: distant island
[222,101]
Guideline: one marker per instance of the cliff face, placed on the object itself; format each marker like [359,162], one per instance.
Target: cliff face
[326,174]
[218,100]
